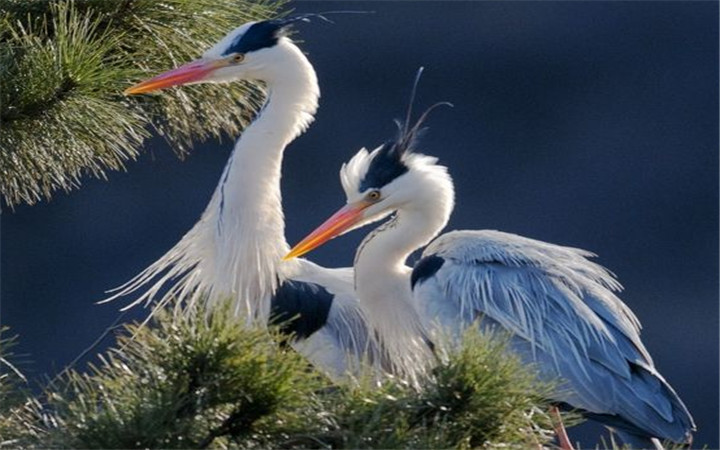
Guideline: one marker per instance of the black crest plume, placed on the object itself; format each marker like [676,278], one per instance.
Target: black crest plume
[388,164]
[306,17]
[265,34]
[407,136]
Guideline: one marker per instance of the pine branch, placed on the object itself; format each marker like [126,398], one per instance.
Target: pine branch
[18,424]
[10,376]
[199,381]
[64,65]
[480,396]
[180,383]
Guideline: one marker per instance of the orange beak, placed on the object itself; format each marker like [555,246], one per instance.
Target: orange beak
[191,72]
[336,225]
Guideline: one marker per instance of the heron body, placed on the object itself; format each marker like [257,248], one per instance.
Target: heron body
[563,315]
[234,250]
[560,308]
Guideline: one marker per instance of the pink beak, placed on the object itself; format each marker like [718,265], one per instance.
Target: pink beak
[191,72]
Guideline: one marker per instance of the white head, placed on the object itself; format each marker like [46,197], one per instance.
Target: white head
[253,51]
[390,178]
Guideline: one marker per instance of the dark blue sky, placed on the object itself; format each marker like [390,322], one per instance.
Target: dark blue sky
[593,125]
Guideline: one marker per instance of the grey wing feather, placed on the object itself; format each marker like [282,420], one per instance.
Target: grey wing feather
[564,315]
[345,342]
[349,329]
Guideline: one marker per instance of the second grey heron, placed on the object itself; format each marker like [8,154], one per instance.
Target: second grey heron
[560,308]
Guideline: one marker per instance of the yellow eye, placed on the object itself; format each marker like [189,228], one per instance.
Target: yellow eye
[238,58]
[373,196]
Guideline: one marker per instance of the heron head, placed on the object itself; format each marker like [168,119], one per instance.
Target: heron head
[246,53]
[390,178]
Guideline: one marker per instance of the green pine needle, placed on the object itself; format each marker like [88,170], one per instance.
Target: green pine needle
[179,383]
[197,381]
[18,419]
[64,65]
[482,396]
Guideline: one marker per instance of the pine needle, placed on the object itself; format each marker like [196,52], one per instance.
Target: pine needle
[64,65]
[198,381]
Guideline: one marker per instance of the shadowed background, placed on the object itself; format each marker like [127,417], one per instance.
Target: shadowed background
[592,125]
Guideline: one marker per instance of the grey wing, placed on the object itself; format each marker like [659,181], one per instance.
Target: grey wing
[563,314]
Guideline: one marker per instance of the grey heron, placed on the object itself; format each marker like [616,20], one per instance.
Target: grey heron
[234,250]
[560,308]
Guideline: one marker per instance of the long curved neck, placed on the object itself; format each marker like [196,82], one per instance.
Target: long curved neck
[380,259]
[250,223]
[382,282]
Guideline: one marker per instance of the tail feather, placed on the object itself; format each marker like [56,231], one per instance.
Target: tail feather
[664,416]
[636,441]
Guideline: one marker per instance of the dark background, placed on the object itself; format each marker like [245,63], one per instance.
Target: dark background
[592,125]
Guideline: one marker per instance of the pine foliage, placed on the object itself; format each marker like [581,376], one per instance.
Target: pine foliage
[197,381]
[11,379]
[180,384]
[480,396]
[18,421]
[65,63]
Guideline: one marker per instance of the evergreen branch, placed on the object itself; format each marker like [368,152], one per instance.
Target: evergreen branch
[11,379]
[178,383]
[480,396]
[18,424]
[201,380]
[64,65]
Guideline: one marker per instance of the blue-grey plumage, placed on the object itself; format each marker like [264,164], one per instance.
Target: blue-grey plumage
[565,317]
[559,307]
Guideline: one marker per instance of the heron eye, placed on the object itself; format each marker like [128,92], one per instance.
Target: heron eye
[238,58]
[373,196]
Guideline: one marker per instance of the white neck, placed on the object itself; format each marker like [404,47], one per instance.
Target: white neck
[233,251]
[247,205]
[382,282]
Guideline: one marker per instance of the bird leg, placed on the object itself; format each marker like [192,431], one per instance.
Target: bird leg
[562,436]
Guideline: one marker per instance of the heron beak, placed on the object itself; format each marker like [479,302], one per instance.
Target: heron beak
[191,72]
[338,223]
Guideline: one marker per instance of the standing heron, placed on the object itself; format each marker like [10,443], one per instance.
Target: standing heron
[234,250]
[560,308]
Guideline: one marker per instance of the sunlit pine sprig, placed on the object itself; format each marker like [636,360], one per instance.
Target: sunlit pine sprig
[64,65]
